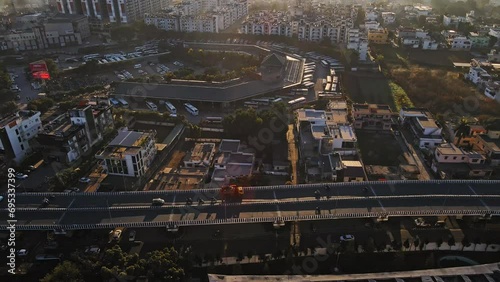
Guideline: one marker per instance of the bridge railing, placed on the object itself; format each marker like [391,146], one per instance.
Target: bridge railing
[255,220]
[274,187]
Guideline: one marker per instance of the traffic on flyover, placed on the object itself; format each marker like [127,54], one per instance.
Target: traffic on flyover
[45,211]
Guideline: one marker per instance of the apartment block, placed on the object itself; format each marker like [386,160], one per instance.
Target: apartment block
[356,41]
[372,116]
[16,133]
[130,153]
[426,130]
[479,41]
[460,43]
[388,17]
[95,117]
[378,36]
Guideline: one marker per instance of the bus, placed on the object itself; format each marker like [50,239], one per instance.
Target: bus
[277,100]
[263,101]
[89,57]
[123,102]
[251,104]
[114,102]
[308,84]
[325,63]
[170,108]
[297,101]
[151,106]
[328,79]
[328,87]
[300,91]
[214,119]
[191,109]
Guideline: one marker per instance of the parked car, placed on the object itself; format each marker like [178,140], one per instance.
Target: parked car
[84,180]
[131,236]
[21,175]
[346,238]
[22,253]
[158,201]
[93,249]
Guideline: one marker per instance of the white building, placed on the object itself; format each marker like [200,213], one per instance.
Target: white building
[388,17]
[371,15]
[492,90]
[453,20]
[460,43]
[477,75]
[372,25]
[357,43]
[430,44]
[130,153]
[427,132]
[15,133]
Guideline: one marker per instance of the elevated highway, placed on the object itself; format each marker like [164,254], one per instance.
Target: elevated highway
[259,204]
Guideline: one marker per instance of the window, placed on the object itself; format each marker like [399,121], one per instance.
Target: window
[446,157]
[17,132]
[19,139]
[22,147]
[454,158]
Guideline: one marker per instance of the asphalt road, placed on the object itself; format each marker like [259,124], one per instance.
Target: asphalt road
[270,202]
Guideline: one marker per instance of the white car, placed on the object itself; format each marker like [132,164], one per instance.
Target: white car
[84,180]
[93,249]
[346,238]
[131,236]
[21,175]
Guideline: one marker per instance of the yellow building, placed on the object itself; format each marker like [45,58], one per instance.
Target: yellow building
[378,36]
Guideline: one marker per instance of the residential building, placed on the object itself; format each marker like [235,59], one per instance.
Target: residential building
[378,36]
[372,116]
[352,171]
[63,141]
[422,10]
[128,11]
[58,31]
[201,155]
[371,25]
[388,17]
[95,116]
[231,163]
[430,44]
[453,20]
[489,145]
[130,153]
[477,74]
[479,41]
[200,16]
[493,56]
[404,32]
[371,15]
[355,41]
[460,43]
[427,131]
[467,137]
[451,161]
[492,90]
[411,41]
[16,132]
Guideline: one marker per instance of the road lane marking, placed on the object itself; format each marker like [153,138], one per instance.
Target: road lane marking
[277,205]
[378,200]
[482,202]
[64,213]
[173,210]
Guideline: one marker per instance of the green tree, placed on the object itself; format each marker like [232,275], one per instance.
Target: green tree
[52,68]
[67,271]
[123,33]
[42,104]
[8,108]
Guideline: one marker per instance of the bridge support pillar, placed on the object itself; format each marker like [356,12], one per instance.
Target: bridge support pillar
[295,234]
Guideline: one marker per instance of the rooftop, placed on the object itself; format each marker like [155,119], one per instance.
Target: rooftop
[493,144]
[233,170]
[126,138]
[19,115]
[449,149]
[372,109]
[202,152]
[273,60]
[426,122]
[229,145]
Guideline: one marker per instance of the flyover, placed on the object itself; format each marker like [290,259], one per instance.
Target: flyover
[302,202]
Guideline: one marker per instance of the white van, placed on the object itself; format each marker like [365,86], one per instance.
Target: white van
[138,66]
[158,201]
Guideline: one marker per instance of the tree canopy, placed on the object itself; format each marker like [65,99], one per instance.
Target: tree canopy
[64,272]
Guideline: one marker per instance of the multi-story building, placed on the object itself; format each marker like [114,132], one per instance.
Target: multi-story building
[430,44]
[468,137]
[477,74]
[372,25]
[453,20]
[231,163]
[371,15]
[204,16]
[479,41]
[356,42]
[16,132]
[492,90]
[63,141]
[95,117]
[427,131]
[378,36]
[200,156]
[58,31]
[489,145]
[130,153]
[372,116]
[460,43]
[388,17]
[450,161]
